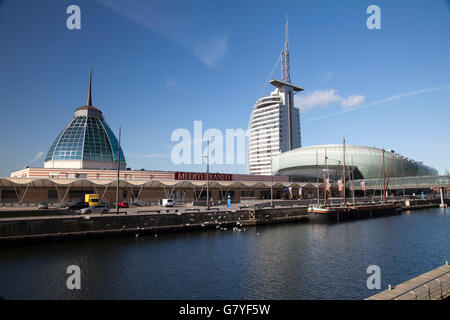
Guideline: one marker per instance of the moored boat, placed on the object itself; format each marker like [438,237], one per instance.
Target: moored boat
[321,210]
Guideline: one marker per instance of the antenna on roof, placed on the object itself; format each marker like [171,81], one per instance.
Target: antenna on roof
[89,98]
[285,69]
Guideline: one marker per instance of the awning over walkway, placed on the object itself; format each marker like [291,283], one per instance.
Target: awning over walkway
[86,183]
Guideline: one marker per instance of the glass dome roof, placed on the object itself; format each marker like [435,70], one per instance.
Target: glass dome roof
[87,137]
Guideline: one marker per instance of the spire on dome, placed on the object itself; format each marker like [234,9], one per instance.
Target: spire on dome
[89,98]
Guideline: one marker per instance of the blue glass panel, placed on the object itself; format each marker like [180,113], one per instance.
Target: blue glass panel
[68,141]
[96,143]
[114,143]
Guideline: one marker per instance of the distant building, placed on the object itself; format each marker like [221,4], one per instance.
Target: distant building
[275,122]
[86,142]
[361,162]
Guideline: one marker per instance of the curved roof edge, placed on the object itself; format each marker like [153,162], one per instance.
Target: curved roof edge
[77,182]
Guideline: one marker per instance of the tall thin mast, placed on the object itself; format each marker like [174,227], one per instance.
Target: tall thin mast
[118,175]
[343,189]
[353,184]
[326,184]
[384,185]
[271,179]
[403,182]
[285,68]
[89,98]
[317,180]
[207,177]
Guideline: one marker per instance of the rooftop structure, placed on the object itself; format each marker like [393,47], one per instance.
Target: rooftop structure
[86,142]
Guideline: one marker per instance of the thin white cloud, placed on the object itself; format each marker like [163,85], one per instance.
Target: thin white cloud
[352,101]
[324,75]
[317,98]
[146,156]
[398,96]
[155,155]
[177,21]
[213,50]
[323,98]
[170,83]
[37,156]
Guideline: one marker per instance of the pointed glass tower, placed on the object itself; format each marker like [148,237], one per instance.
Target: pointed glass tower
[86,142]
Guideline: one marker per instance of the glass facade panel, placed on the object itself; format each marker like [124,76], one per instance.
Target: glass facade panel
[85,138]
[69,143]
[96,144]
[114,143]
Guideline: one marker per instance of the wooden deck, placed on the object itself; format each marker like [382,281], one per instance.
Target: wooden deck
[433,285]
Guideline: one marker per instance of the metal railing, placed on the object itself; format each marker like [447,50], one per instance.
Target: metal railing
[433,289]
[404,182]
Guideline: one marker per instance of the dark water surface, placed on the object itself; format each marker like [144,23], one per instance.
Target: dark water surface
[317,260]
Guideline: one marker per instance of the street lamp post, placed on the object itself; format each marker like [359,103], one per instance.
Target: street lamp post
[271,178]
[207,176]
[118,175]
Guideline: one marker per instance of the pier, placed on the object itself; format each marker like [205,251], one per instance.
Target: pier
[433,285]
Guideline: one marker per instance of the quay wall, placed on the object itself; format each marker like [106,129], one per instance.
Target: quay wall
[62,227]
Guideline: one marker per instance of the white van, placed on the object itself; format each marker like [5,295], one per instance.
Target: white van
[167,202]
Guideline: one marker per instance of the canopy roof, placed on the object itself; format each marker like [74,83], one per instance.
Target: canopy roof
[85,183]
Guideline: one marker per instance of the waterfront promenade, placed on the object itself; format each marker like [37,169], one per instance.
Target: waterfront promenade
[433,285]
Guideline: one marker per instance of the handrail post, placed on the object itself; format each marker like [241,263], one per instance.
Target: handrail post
[440,283]
[429,292]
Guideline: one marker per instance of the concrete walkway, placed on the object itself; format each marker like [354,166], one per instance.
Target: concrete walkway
[433,285]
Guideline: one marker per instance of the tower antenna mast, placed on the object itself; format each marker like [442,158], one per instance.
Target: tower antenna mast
[285,69]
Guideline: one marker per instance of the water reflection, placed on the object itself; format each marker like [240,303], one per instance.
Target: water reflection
[317,260]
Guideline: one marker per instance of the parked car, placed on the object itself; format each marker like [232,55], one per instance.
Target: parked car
[43,205]
[123,204]
[99,208]
[138,203]
[167,202]
[78,205]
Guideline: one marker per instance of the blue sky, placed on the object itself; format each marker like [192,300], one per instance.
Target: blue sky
[160,65]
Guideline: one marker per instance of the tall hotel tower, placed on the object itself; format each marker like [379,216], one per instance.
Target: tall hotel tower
[275,122]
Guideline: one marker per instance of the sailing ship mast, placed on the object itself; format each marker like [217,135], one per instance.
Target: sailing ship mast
[384,185]
[343,174]
[317,180]
[325,184]
[353,184]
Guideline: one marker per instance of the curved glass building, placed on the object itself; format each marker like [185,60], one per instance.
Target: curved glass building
[86,142]
[308,163]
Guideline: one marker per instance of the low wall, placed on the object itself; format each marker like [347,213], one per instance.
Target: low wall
[20,229]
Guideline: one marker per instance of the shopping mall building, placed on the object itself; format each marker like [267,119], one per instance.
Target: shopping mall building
[84,158]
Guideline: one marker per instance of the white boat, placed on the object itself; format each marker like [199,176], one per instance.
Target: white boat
[320,210]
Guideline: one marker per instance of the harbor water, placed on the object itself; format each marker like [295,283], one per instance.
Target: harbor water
[315,260]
